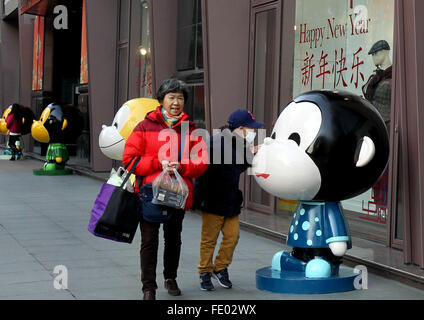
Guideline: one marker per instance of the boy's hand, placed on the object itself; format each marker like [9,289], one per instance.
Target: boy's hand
[255,149]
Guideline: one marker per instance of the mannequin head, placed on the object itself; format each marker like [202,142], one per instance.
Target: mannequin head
[380,54]
[382,59]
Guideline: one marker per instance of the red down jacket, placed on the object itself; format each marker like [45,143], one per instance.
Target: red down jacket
[13,124]
[153,141]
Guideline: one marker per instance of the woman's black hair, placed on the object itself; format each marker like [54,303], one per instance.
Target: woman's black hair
[171,85]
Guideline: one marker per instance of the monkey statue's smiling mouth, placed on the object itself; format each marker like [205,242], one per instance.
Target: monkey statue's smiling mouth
[262,175]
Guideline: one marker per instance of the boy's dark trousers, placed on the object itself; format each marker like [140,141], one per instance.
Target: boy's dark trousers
[149,249]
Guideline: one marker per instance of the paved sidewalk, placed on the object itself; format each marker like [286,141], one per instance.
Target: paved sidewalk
[43,224]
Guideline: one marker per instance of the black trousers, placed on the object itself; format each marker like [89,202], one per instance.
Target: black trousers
[12,145]
[149,249]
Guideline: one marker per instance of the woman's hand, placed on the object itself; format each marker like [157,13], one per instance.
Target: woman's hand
[170,166]
[175,165]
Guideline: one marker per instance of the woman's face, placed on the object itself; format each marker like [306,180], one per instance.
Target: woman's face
[173,103]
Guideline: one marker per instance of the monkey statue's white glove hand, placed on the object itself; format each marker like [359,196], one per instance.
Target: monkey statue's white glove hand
[338,248]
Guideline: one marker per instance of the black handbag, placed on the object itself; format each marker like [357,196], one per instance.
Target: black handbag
[121,215]
[154,212]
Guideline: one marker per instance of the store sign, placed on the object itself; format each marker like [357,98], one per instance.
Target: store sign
[332,43]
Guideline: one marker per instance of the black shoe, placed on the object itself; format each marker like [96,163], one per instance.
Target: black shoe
[12,159]
[222,277]
[172,286]
[205,282]
[149,294]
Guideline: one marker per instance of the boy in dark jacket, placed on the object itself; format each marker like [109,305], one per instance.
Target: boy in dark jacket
[217,195]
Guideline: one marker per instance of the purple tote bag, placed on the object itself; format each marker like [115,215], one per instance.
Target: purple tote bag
[115,214]
[99,208]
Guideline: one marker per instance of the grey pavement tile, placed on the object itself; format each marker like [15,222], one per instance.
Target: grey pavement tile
[32,289]
[23,266]
[52,248]
[19,226]
[62,255]
[133,271]
[52,242]
[26,219]
[42,296]
[80,263]
[79,286]
[48,237]
[35,229]
[101,273]
[121,293]
[132,261]
[24,277]
[12,258]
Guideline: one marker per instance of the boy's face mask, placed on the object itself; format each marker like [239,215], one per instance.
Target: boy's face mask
[250,136]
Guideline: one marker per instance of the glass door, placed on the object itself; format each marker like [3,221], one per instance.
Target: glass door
[263,88]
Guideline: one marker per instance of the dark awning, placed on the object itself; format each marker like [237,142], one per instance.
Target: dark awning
[36,7]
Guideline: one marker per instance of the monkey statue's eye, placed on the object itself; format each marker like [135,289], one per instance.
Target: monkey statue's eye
[274,135]
[116,125]
[295,137]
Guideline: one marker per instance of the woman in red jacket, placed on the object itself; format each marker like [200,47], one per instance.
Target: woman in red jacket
[13,124]
[157,147]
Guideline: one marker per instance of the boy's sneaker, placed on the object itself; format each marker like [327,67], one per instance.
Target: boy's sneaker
[222,277]
[205,282]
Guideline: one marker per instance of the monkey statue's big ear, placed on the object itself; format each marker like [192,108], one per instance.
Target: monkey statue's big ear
[365,151]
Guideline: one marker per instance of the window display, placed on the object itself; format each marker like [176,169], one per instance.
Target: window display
[348,47]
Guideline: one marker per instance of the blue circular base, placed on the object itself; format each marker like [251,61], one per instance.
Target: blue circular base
[295,282]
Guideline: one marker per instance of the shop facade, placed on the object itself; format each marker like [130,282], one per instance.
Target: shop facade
[252,54]
[260,54]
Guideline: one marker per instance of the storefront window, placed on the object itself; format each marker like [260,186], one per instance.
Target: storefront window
[189,42]
[190,58]
[144,54]
[122,53]
[347,45]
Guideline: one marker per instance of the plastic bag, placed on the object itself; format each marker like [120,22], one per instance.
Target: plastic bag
[117,177]
[171,191]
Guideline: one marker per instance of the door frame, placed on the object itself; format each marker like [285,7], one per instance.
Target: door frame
[276,5]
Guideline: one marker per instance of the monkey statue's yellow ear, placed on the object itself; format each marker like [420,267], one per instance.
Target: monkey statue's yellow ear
[65,124]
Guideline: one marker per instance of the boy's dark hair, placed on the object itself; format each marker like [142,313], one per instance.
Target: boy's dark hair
[171,85]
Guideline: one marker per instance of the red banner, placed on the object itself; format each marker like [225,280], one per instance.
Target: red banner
[84,60]
[38,54]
